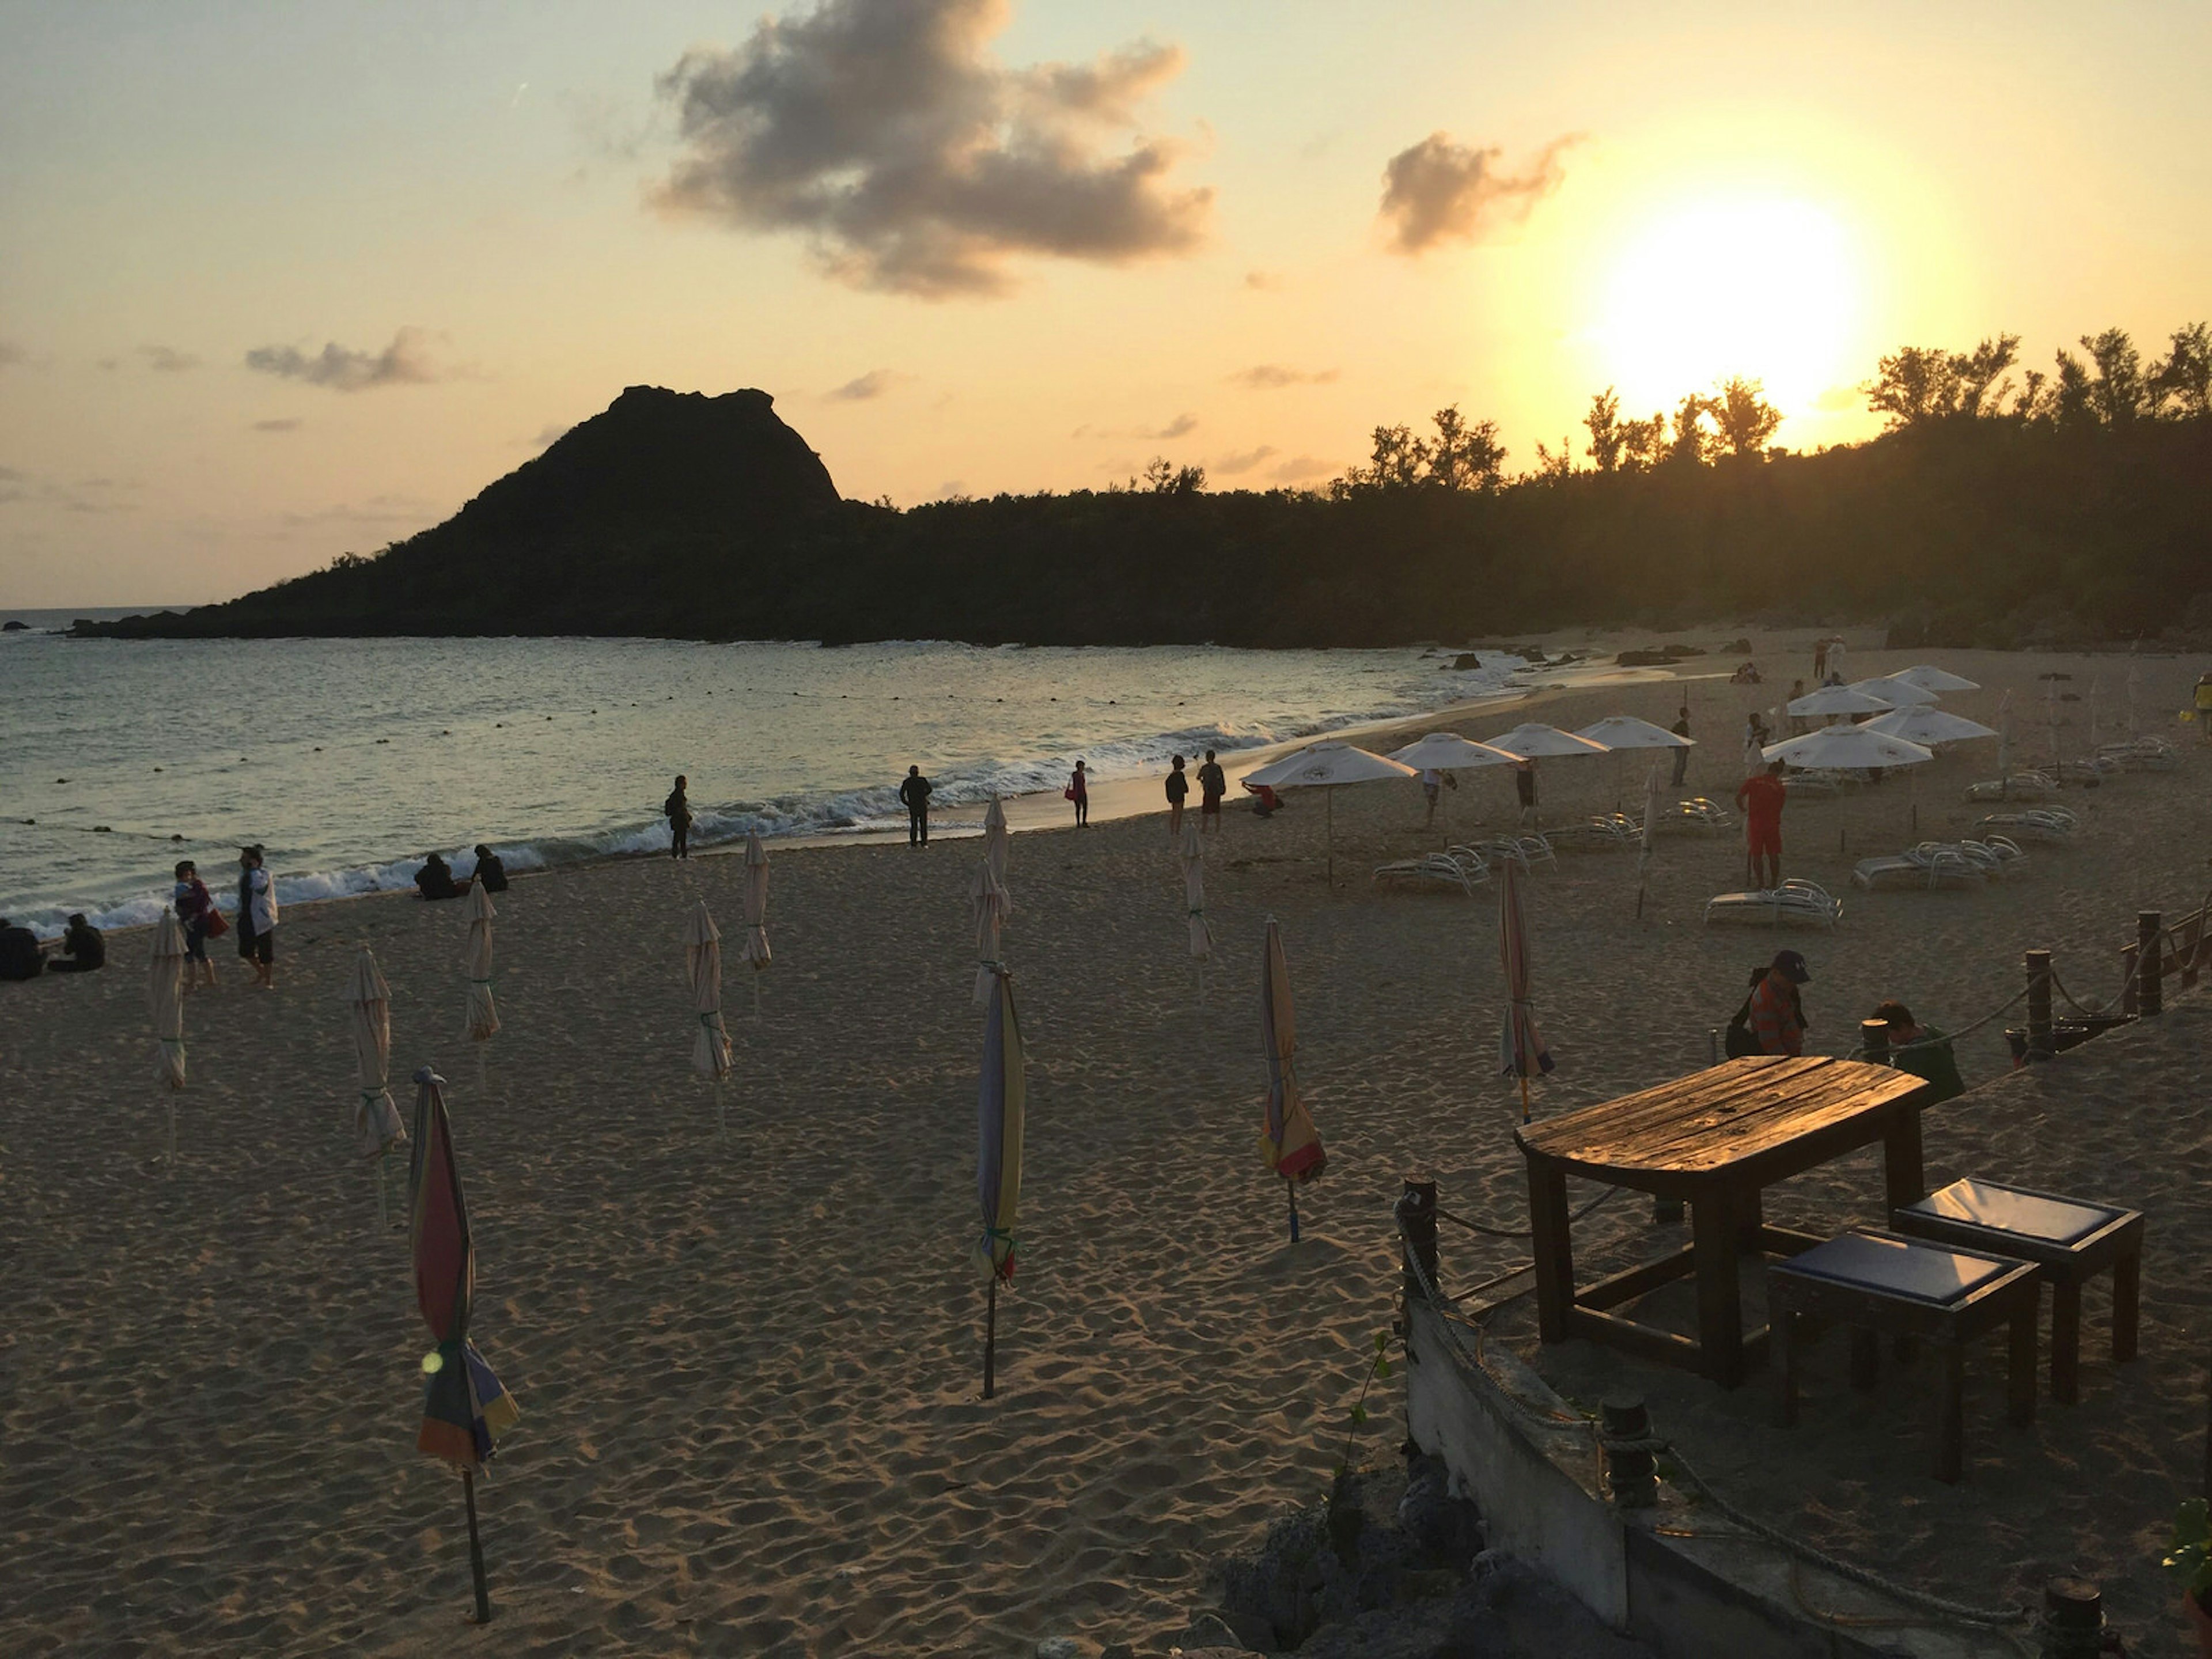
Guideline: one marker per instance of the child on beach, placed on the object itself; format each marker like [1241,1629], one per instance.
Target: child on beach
[196,909]
[1078,790]
[1213,785]
[1178,792]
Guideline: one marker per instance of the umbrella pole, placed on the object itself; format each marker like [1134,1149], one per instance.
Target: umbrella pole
[173,1133]
[476,1549]
[383,1192]
[480,1070]
[756,993]
[1524,1097]
[1291,1187]
[991,1339]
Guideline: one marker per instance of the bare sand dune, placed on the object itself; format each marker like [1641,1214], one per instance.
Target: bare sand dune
[749,1367]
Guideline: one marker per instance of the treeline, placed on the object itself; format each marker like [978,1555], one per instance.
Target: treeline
[2065,507]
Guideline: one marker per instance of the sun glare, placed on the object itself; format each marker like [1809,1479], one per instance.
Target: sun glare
[1767,288]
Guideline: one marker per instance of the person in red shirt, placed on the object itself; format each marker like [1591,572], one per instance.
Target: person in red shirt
[1777,1012]
[1760,798]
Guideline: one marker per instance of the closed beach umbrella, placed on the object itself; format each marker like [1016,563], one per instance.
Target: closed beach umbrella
[997,841]
[483,1013]
[376,1126]
[1930,679]
[1901,694]
[1522,1048]
[464,1409]
[1851,747]
[702,966]
[1193,856]
[1288,1140]
[986,909]
[754,948]
[165,1008]
[1927,727]
[1841,700]
[1325,766]
[1001,1097]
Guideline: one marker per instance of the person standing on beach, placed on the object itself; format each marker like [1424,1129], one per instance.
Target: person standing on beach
[1178,792]
[1681,729]
[1213,785]
[1078,790]
[490,873]
[1760,797]
[256,917]
[1778,1007]
[914,794]
[1820,661]
[195,908]
[1524,784]
[677,806]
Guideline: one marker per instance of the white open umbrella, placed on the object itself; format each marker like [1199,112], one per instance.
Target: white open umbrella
[987,908]
[377,1129]
[1899,693]
[1929,726]
[754,948]
[165,1008]
[1930,679]
[1841,700]
[1626,732]
[1447,751]
[1536,741]
[703,968]
[1848,748]
[1192,854]
[1325,766]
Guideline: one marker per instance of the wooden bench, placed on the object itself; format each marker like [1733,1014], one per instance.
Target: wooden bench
[2069,1241]
[1881,1283]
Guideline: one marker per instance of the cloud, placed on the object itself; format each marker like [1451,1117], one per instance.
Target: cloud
[1299,468]
[1181,426]
[85,496]
[167,360]
[1263,282]
[288,423]
[867,388]
[376,510]
[1439,191]
[1273,377]
[405,361]
[1232,464]
[884,133]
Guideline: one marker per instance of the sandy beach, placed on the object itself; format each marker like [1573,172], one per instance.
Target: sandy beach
[749,1365]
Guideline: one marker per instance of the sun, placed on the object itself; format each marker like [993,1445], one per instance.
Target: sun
[1766,287]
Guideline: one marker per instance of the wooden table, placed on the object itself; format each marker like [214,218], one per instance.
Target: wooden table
[1716,1140]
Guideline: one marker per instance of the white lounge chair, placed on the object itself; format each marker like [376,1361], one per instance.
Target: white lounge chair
[2044,824]
[1439,868]
[2021,786]
[1927,866]
[2000,856]
[1607,833]
[1794,903]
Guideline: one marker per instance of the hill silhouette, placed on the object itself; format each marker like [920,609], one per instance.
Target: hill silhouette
[686,516]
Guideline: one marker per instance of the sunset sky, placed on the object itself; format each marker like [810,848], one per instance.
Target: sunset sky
[283,281]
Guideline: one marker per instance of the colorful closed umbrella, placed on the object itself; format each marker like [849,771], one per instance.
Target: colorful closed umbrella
[376,1126]
[754,948]
[1192,854]
[1522,1048]
[165,1008]
[986,909]
[702,966]
[464,1408]
[1001,1098]
[1289,1142]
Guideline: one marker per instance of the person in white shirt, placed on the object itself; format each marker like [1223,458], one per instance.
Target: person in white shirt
[257,913]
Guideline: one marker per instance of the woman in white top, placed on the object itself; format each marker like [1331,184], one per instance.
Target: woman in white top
[257,905]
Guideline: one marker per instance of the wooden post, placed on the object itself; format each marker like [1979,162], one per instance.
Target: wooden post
[2129,981]
[1874,1041]
[1629,1472]
[2072,1619]
[2038,1005]
[476,1549]
[1549,1241]
[2150,960]
[1420,1241]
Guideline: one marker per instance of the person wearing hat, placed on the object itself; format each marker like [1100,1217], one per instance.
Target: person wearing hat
[1778,1011]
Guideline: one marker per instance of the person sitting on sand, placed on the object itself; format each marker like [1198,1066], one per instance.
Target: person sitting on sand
[491,874]
[434,880]
[1213,785]
[1178,792]
[1922,1050]
[1268,803]
[678,810]
[83,951]
[19,956]
[1777,1009]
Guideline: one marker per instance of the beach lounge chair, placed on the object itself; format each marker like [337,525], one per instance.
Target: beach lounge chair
[1883,1284]
[1439,868]
[2069,1241]
[2044,824]
[1607,833]
[1794,903]
[2021,786]
[1927,866]
[1997,856]
[2144,754]
[1526,851]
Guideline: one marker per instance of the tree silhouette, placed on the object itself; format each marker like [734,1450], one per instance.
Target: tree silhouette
[1744,416]
[1603,424]
[1691,443]
[2116,395]
[2181,383]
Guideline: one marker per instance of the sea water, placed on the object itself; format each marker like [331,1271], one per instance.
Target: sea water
[350,759]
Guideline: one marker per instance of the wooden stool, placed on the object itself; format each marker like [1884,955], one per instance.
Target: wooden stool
[2069,1240]
[1881,1283]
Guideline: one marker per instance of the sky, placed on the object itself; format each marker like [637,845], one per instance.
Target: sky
[280,282]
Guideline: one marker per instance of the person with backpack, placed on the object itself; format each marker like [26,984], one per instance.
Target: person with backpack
[678,807]
[914,794]
[1773,1015]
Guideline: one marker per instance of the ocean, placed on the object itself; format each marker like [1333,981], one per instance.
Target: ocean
[349,759]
